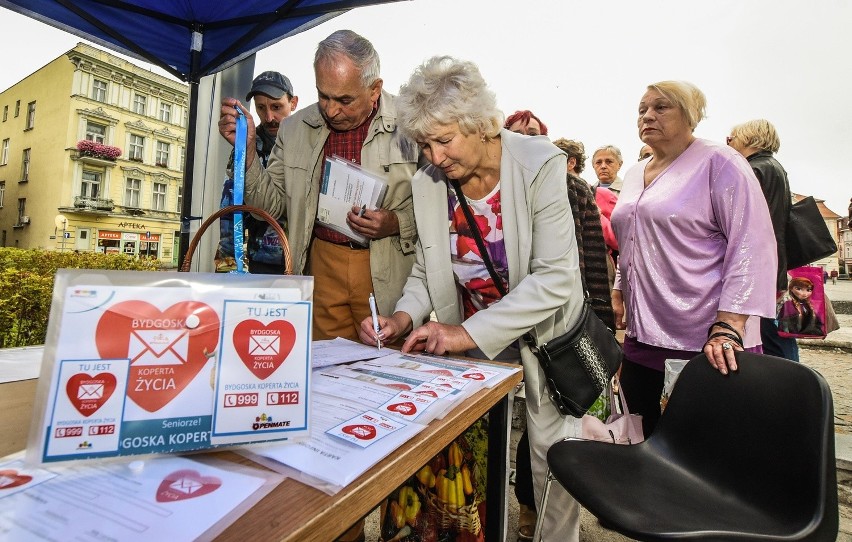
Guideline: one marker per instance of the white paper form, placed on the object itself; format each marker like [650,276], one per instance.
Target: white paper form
[331,459]
[340,350]
[336,385]
[346,185]
[439,366]
[171,498]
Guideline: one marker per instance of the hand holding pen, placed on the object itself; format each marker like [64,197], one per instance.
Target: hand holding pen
[389,328]
[375,317]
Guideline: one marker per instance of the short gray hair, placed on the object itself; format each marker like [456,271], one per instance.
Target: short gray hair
[353,46]
[444,90]
[687,97]
[610,149]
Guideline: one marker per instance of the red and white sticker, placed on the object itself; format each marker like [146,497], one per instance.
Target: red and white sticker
[407,405]
[367,428]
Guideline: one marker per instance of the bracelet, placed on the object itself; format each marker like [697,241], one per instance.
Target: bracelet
[731,336]
[727,326]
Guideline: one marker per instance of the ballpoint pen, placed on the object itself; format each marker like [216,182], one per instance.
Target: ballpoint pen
[361,213]
[375,315]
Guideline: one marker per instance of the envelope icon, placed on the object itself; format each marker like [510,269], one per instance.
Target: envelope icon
[264,345]
[186,486]
[90,391]
[159,347]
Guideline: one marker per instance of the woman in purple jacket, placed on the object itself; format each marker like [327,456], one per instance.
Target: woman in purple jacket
[697,254]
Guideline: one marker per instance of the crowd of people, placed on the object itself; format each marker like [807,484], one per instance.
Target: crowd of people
[487,231]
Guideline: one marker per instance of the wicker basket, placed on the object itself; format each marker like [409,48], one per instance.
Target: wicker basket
[465,517]
[285,246]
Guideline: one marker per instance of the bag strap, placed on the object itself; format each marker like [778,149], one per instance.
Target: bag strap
[614,384]
[486,259]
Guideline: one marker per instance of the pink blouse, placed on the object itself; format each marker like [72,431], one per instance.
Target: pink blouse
[696,241]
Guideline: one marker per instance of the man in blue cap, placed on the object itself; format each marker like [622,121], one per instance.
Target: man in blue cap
[273,102]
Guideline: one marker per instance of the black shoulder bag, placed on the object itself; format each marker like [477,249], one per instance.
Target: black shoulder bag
[577,365]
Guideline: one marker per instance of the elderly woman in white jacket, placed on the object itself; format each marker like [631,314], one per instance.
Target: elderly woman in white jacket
[516,189]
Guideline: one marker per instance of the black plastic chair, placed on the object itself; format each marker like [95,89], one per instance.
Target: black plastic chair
[747,456]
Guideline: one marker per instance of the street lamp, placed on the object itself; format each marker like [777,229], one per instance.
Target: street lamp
[60,222]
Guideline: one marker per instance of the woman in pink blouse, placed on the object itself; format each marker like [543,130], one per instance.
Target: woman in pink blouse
[697,249]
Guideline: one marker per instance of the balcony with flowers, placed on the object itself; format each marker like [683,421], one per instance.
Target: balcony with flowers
[92,152]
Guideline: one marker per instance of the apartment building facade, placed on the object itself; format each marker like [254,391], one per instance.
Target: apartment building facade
[92,152]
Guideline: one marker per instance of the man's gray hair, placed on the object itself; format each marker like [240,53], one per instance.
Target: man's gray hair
[353,46]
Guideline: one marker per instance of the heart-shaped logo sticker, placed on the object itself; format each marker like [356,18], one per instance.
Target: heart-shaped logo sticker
[407,408]
[442,372]
[186,484]
[263,348]
[89,393]
[360,431]
[10,478]
[474,376]
[428,393]
[166,348]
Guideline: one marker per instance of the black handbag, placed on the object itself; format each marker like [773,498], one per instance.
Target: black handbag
[807,237]
[577,365]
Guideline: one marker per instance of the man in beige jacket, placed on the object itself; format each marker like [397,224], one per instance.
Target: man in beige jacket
[356,120]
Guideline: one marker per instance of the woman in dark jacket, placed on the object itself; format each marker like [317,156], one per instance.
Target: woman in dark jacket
[758,141]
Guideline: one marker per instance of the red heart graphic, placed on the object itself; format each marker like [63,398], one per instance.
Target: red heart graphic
[429,393]
[362,432]
[406,408]
[474,376]
[10,478]
[89,393]
[404,387]
[442,372]
[165,353]
[263,348]
[186,484]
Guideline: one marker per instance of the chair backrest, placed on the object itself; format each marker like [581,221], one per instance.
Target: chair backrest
[766,429]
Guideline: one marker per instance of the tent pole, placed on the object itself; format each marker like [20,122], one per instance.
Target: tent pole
[191,130]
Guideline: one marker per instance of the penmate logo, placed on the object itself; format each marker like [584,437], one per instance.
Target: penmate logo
[87,294]
[85,445]
[266,422]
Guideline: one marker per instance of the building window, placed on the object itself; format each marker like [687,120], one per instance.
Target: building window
[90,187]
[17,108]
[140,104]
[159,203]
[165,112]
[131,192]
[95,132]
[2,193]
[99,90]
[136,147]
[162,154]
[22,210]
[5,112]
[25,166]
[30,115]
[183,158]
[4,154]
[179,198]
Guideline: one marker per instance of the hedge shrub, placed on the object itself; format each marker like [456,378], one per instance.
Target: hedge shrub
[26,287]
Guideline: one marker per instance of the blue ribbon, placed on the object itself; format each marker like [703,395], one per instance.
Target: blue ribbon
[239,188]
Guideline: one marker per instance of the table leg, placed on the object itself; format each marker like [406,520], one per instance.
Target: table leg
[496,495]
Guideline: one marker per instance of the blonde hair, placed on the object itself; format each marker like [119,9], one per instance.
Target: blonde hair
[757,133]
[687,97]
[444,90]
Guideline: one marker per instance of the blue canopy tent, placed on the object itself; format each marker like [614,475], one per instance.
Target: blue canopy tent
[187,38]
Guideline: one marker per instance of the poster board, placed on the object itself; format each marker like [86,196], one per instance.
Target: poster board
[140,363]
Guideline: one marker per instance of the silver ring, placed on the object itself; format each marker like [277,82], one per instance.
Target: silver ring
[726,346]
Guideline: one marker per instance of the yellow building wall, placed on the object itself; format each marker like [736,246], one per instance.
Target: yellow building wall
[66,101]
